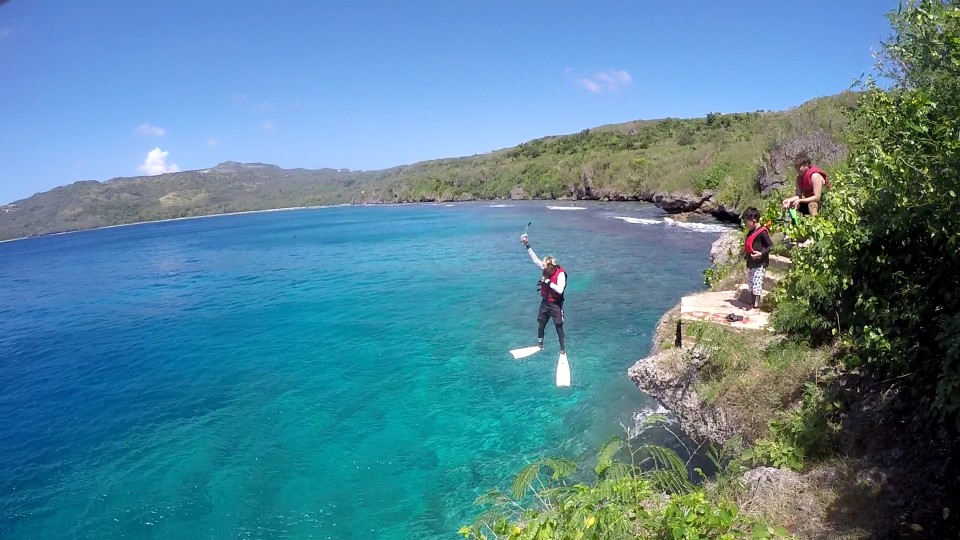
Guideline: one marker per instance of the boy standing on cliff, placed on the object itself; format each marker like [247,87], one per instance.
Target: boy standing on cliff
[757,247]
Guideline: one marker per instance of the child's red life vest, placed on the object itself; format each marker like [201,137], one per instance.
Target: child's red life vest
[748,245]
[805,181]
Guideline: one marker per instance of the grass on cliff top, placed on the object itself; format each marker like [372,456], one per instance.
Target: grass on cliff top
[753,374]
[665,334]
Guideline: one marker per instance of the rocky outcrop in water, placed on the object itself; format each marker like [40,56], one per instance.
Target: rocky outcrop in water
[681,203]
[669,377]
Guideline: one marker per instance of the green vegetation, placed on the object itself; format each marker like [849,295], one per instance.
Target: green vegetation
[720,152]
[648,495]
[881,278]
[795,435]
[752,375]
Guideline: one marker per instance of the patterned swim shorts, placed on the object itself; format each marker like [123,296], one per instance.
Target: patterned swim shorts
[755,279]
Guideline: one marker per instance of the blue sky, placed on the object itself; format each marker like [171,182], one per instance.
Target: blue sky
[98,89]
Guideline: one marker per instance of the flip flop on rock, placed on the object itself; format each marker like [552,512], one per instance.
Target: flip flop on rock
[733,317]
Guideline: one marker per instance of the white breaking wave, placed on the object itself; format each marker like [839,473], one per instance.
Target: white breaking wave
[499,205]
[650,410]
[699,227]
[642,419]
[640,221]
[567,207]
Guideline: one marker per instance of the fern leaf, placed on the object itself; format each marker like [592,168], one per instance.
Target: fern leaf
[525,479]
[618,470]
[562,467]
[671,471]
[561,493]
[487,520]
[609,449]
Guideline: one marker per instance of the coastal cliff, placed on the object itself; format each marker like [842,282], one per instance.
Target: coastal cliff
[856,479]
[669,374]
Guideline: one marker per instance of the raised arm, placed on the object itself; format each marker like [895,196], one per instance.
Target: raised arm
[533,256]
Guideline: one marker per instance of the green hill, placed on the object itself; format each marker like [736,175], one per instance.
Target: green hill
[717,164]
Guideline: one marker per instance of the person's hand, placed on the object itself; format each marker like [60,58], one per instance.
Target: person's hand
[789,201]
[756,254]
[795,204]
[544,280]
[524,240]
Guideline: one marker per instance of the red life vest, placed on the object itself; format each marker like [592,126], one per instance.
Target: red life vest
[548,293]
[805,180]
[748,245]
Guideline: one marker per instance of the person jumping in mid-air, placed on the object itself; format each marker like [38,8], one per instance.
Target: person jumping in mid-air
[552,284]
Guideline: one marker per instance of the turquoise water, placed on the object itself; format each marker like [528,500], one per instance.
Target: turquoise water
[327,373]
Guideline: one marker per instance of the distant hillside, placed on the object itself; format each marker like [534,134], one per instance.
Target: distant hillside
[720,163]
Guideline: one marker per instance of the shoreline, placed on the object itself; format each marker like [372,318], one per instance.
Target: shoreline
[371,204]
[284,209]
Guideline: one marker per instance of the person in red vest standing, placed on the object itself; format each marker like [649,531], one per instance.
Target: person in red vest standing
[811,183]
[757,247]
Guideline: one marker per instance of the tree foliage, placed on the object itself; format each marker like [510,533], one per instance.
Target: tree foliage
[882,274]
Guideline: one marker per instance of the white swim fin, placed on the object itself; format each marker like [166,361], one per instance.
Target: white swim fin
[525,352]
[563,371]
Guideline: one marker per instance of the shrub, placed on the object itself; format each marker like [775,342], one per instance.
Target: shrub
[882,272]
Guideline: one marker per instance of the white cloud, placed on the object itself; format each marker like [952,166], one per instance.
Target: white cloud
[148,130]
[213,141]
[610,80]
[267,126]
[156,163]
[614,78]
[589,85]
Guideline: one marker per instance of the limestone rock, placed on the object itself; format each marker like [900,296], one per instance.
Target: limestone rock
[676,203]
[727,249]
[668,377]
[776,169]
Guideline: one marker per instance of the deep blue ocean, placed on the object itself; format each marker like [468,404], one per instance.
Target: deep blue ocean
[322,373]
